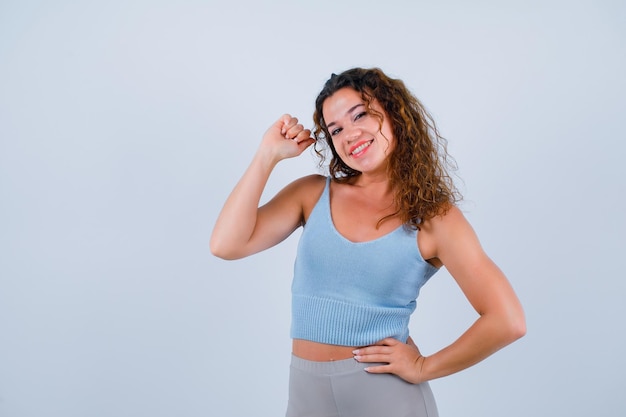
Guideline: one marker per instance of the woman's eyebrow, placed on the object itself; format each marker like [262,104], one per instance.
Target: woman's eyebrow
[348,112]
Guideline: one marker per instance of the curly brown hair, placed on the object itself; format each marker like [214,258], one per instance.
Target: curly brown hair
[419,166]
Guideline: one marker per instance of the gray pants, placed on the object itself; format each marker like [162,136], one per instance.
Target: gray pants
[344,389]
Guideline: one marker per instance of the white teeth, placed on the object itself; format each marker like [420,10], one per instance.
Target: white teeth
[360,148]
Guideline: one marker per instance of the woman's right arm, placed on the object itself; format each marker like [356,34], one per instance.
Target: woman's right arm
[242,228]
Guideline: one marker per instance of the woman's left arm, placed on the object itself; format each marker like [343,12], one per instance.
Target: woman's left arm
[451,240]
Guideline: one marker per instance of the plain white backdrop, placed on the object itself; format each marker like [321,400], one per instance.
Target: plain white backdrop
[124,125]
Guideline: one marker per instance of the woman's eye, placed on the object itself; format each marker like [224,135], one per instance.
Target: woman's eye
[334,132]
[358,116]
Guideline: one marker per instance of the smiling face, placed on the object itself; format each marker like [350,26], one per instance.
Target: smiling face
[358,136]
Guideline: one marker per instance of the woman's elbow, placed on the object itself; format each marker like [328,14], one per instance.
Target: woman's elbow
[222,251]
[516,326]
[218,254]
[518,331]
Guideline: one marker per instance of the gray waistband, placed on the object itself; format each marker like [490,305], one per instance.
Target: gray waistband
[330,367]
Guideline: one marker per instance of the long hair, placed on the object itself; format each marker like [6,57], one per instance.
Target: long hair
[419,165]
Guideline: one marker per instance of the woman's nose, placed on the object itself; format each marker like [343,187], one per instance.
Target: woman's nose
[353,133]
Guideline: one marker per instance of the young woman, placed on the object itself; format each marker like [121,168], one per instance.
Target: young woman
[375,230]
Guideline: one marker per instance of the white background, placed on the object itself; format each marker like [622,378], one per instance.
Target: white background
[124,125]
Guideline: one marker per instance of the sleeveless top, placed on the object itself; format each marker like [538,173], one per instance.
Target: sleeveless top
[354,293]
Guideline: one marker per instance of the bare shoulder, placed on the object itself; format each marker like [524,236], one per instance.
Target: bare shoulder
[309,190]
[451,221]
[443,233]
[301,195]
[313,180]
[306,187]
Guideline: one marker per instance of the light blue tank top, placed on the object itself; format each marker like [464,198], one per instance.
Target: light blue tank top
[354,294]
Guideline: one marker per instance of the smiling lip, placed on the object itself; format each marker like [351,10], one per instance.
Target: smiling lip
[360,147]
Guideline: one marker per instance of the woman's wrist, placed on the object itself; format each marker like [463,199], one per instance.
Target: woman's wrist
[420,369]
[266,159]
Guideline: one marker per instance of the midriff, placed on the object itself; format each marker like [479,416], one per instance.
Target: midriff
[320,352]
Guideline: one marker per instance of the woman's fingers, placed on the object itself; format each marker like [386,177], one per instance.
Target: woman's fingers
[286,127]
[379,369]
[376,353]
[289,122]
[375,357]
[303,135]
[401,359]
[291,129]
[294,131]
[297,132]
